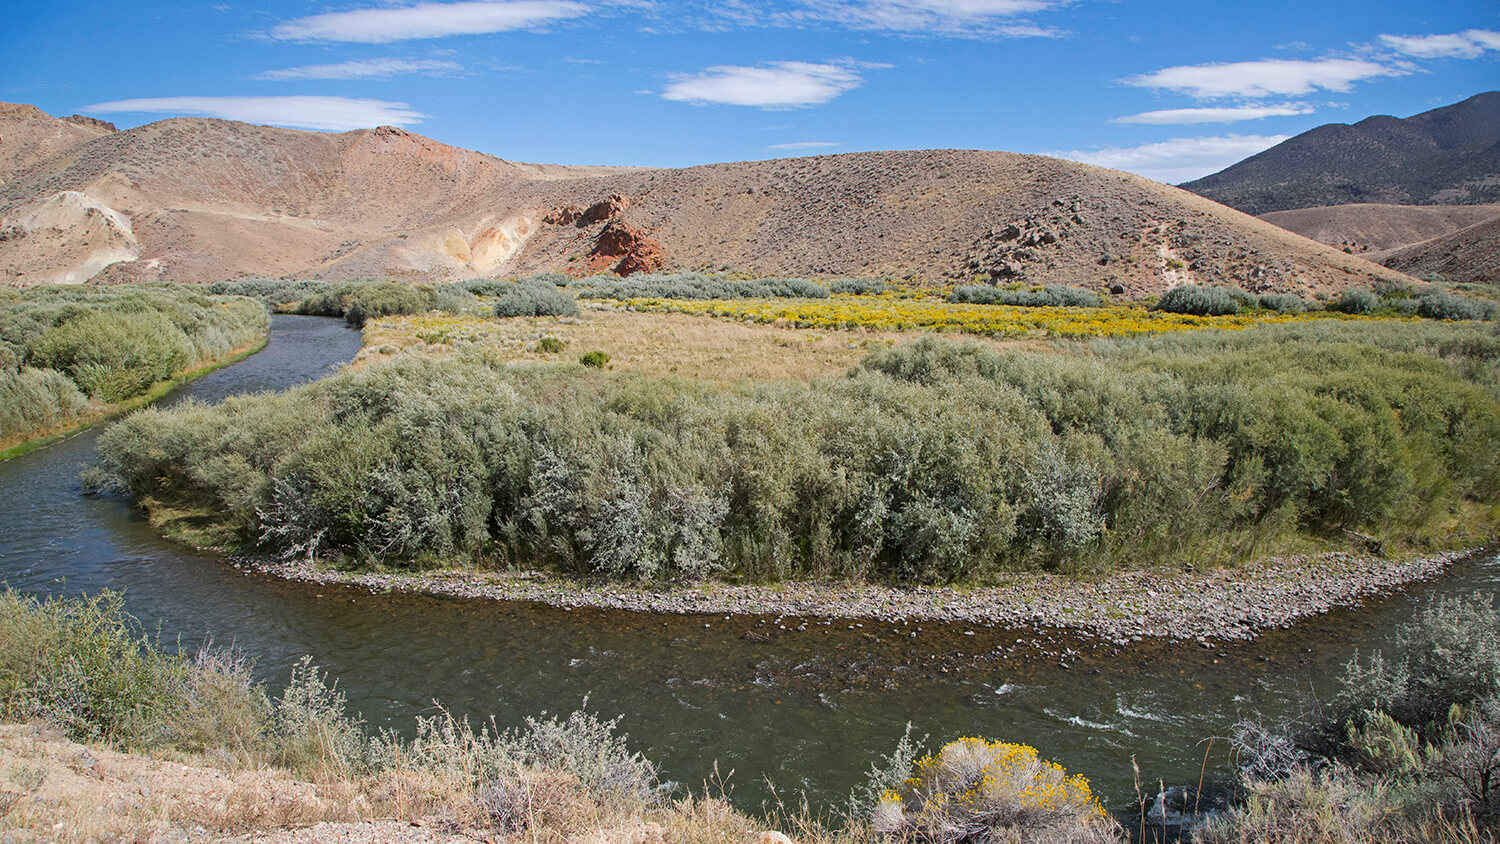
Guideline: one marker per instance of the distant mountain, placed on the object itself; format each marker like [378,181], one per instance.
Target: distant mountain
[198,200]
[1447,156]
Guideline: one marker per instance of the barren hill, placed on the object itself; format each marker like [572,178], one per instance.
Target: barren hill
[29,136]
[1449,155]
[1467,255]
[203,200]
[1370,227]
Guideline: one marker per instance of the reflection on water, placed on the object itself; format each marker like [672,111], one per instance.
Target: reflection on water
[807,709]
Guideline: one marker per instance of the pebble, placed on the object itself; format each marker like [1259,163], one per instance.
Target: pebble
[1215,604]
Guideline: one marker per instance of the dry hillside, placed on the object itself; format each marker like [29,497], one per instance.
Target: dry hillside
[200,200]
[1370,227]
[1468,255]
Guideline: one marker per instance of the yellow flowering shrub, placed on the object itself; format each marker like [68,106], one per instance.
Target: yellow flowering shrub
[892,313]
[978,790]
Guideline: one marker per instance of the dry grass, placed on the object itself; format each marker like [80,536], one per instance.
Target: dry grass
[58,790]
[647,343]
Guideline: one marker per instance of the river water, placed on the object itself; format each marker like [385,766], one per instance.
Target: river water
[782,708]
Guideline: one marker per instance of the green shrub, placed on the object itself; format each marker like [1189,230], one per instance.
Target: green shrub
[360,301]
[929,462]
[1283,303]
[1245,299]
[1448,656]
[37,400]
[1439,304]
[698,286]
[595,359]
[535,297]
[859,286]
[1051,296]
[1357,300]
[551,345]
[1198,301]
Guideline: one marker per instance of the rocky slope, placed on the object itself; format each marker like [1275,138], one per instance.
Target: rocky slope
[1372,228]
[200,200]
[1468,255]
[1449,155]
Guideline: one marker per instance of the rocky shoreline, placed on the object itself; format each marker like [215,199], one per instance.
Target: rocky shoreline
[1224,603]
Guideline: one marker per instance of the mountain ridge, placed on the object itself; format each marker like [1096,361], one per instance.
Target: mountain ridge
[1448,155]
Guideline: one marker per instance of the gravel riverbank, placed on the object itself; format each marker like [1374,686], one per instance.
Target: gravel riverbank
[1225,603]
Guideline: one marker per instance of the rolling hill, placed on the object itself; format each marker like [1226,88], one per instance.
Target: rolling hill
[199,200]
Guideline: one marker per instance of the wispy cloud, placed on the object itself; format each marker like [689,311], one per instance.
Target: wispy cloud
[1264,78]
[335,114]
[365,69]
[1177,160]
[795,145]
[772,86]
[428,20]
[1233,114]
[949,17]
[1459,45]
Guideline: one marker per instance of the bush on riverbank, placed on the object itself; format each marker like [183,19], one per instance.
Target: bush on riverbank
[68,351]
[977,790]
[86,668]
[929,462]
[1408,750]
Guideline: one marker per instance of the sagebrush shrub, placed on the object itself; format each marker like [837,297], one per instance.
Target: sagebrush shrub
[535,297]
[977,790]
[1051,296]
[1198,301]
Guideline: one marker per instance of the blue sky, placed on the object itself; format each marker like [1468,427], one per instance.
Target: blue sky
[1167,88]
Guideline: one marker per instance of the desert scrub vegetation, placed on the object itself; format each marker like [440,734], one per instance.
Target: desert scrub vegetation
[86,668]
[1408,750]
[534,297]
[68,353]
[1052,295]
[974,790]
[700,286]
[929,462]
[885,313]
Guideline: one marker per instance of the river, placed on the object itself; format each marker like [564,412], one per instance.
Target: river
[794,710]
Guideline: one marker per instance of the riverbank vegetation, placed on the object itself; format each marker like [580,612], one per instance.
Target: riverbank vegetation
[1407,751]
[927,462]
[73,354]
[1418,766]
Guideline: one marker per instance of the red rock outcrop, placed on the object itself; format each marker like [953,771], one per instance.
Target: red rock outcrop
[624,249]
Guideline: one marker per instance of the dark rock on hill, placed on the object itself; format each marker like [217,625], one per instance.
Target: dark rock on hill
[1449,155]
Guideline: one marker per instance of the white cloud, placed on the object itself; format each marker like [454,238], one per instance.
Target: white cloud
[1459,45]
[1264,78]
[804,145]
[428,20]
[776,85]
[945,16]
[335,114]
[365,69]
[1183,116]
[1177,160]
